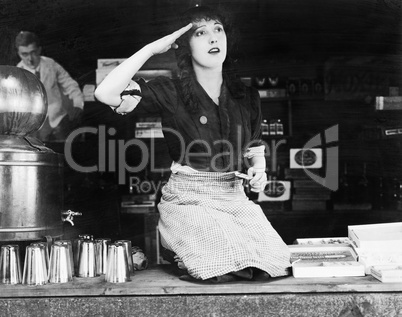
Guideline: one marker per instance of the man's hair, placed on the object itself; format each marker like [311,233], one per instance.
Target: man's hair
[25,38]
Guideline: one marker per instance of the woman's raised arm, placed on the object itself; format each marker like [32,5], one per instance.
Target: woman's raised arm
[118,79]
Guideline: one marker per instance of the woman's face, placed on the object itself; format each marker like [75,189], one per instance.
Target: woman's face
[208,44]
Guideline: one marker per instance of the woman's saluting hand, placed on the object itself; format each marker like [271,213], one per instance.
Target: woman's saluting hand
[167,42]
[109,90]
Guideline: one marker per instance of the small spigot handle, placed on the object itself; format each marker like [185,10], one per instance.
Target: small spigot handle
[69,215]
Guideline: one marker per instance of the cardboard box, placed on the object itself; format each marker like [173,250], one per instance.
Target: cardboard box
[146,74]
[312,253]
[387,273]
[370,258]
[148,124]
[88,91]
[381,236]
[150,133]
[328,269]
[140,206]
[324,241]
[309,205]
[101,74]
[305,196]
[272,93]
[109,62]
[324,261]
[388,103]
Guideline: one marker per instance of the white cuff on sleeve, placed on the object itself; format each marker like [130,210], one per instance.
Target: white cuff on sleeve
[129,101]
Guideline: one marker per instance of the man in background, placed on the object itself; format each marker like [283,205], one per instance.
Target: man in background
[63,113]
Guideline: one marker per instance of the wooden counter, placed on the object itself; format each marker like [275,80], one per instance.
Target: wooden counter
[156,292]
[158,281]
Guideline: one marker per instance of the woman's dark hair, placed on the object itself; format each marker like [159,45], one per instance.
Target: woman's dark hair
[183,53]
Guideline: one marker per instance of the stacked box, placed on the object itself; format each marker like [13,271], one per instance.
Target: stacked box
[324,241]
[307,194]
[388,103]
[324,261]
[387,273]
[377,244]
[106,65]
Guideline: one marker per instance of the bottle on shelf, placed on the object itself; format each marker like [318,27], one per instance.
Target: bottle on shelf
[380,197]
[272,127]
[363,186]
[265,127]
[344,185]
[396,194]
[279,127]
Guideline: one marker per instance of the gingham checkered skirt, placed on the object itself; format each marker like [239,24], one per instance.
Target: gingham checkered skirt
[209,222]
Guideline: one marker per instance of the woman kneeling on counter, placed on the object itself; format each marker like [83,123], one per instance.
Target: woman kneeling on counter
[212,126]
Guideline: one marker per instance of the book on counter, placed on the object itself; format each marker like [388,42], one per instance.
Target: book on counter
[324,261]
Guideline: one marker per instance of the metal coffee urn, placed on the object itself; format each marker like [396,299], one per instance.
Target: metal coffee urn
[31,175]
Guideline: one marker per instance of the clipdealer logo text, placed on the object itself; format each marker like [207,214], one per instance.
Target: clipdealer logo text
[326,141]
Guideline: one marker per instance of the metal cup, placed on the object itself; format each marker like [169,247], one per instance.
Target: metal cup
[45,247]
[128,248]
[117,270]
[10,264]
[70,251]
[35,269]
[77,247]
[60,264]
[87,260]
[101,248]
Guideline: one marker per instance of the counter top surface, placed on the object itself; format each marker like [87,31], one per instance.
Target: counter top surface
[160,281]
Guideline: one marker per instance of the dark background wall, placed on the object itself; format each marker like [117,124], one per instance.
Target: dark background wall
[78,32]
[353,47]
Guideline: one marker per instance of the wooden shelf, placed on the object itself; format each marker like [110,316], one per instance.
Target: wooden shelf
[276,137]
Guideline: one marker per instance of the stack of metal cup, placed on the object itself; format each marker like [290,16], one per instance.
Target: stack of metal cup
[117,270]
[10,264]
[128,248]
[45,247]
[87,259]
[77,249]
[70,252]
[60,270]
[35,265]
[101,249]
